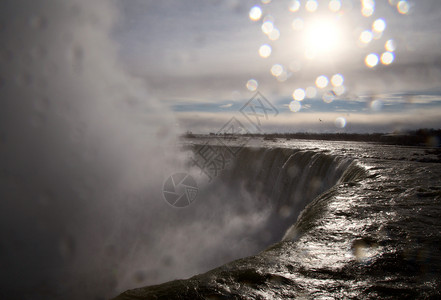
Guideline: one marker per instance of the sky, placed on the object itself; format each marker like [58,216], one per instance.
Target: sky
[198,56]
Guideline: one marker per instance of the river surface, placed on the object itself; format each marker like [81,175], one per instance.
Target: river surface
[339,220]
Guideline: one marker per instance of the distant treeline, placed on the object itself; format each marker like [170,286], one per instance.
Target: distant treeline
[420,137]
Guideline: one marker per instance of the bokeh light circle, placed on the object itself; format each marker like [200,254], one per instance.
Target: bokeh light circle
[267,27]
[334,5]
[282,77]
[376,105]
[403,7]
[367,8]
[311,5]
[387,58]
[297,24]
[339,90]
[295,106]
[366,37]
[337,80]
[299,94]
[371,60]
[277,70]
[255,13]
[294,6]
[321,82]
[252,85]
[265,50]
[274,34]
[340,122]
[328,97]
[379,25]
[390,45]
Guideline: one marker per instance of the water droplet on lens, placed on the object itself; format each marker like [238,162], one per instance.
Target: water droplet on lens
[387,58]
[368,7]
[285,211]
[7,55]
[328,97]
[311,92]
[390,45]
[265,51]
[38,52]
[379,25]
[38,22]
[139,276]
[334,5]
[299,94]
[403,7]
[274,35]
[293,171]
[78,52]
[235,95]
[77,58]
[24,79]
[255,13]
[41,104]
[267,27]
[282,77]
[295,106]
[339,90]
[340,122]
[252,85]
[322,82]
[376,105]
[337,80]
[366,37]
[268,18]
[297,24]
[67,247]
[433,141]
[38,120]
[295,66]
[294,6]
[371,60]
[276,70]
[311,5]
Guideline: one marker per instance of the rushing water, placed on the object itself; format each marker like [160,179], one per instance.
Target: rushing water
[371,228]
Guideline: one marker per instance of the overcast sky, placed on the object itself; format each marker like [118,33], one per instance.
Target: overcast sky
[198,56]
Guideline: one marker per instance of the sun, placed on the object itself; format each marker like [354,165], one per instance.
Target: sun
[322,37]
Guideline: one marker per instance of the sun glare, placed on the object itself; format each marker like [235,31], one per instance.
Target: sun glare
[322,36]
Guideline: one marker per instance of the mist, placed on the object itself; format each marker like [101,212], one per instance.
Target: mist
[84,151]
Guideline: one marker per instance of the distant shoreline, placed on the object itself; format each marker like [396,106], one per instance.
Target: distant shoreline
[421,137]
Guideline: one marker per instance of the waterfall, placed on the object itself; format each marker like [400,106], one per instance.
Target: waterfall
[279,183]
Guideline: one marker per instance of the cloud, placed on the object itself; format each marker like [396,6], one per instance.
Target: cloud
[226,105]
[226,56]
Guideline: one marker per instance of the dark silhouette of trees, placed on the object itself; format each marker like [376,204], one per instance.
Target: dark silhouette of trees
[421,137]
